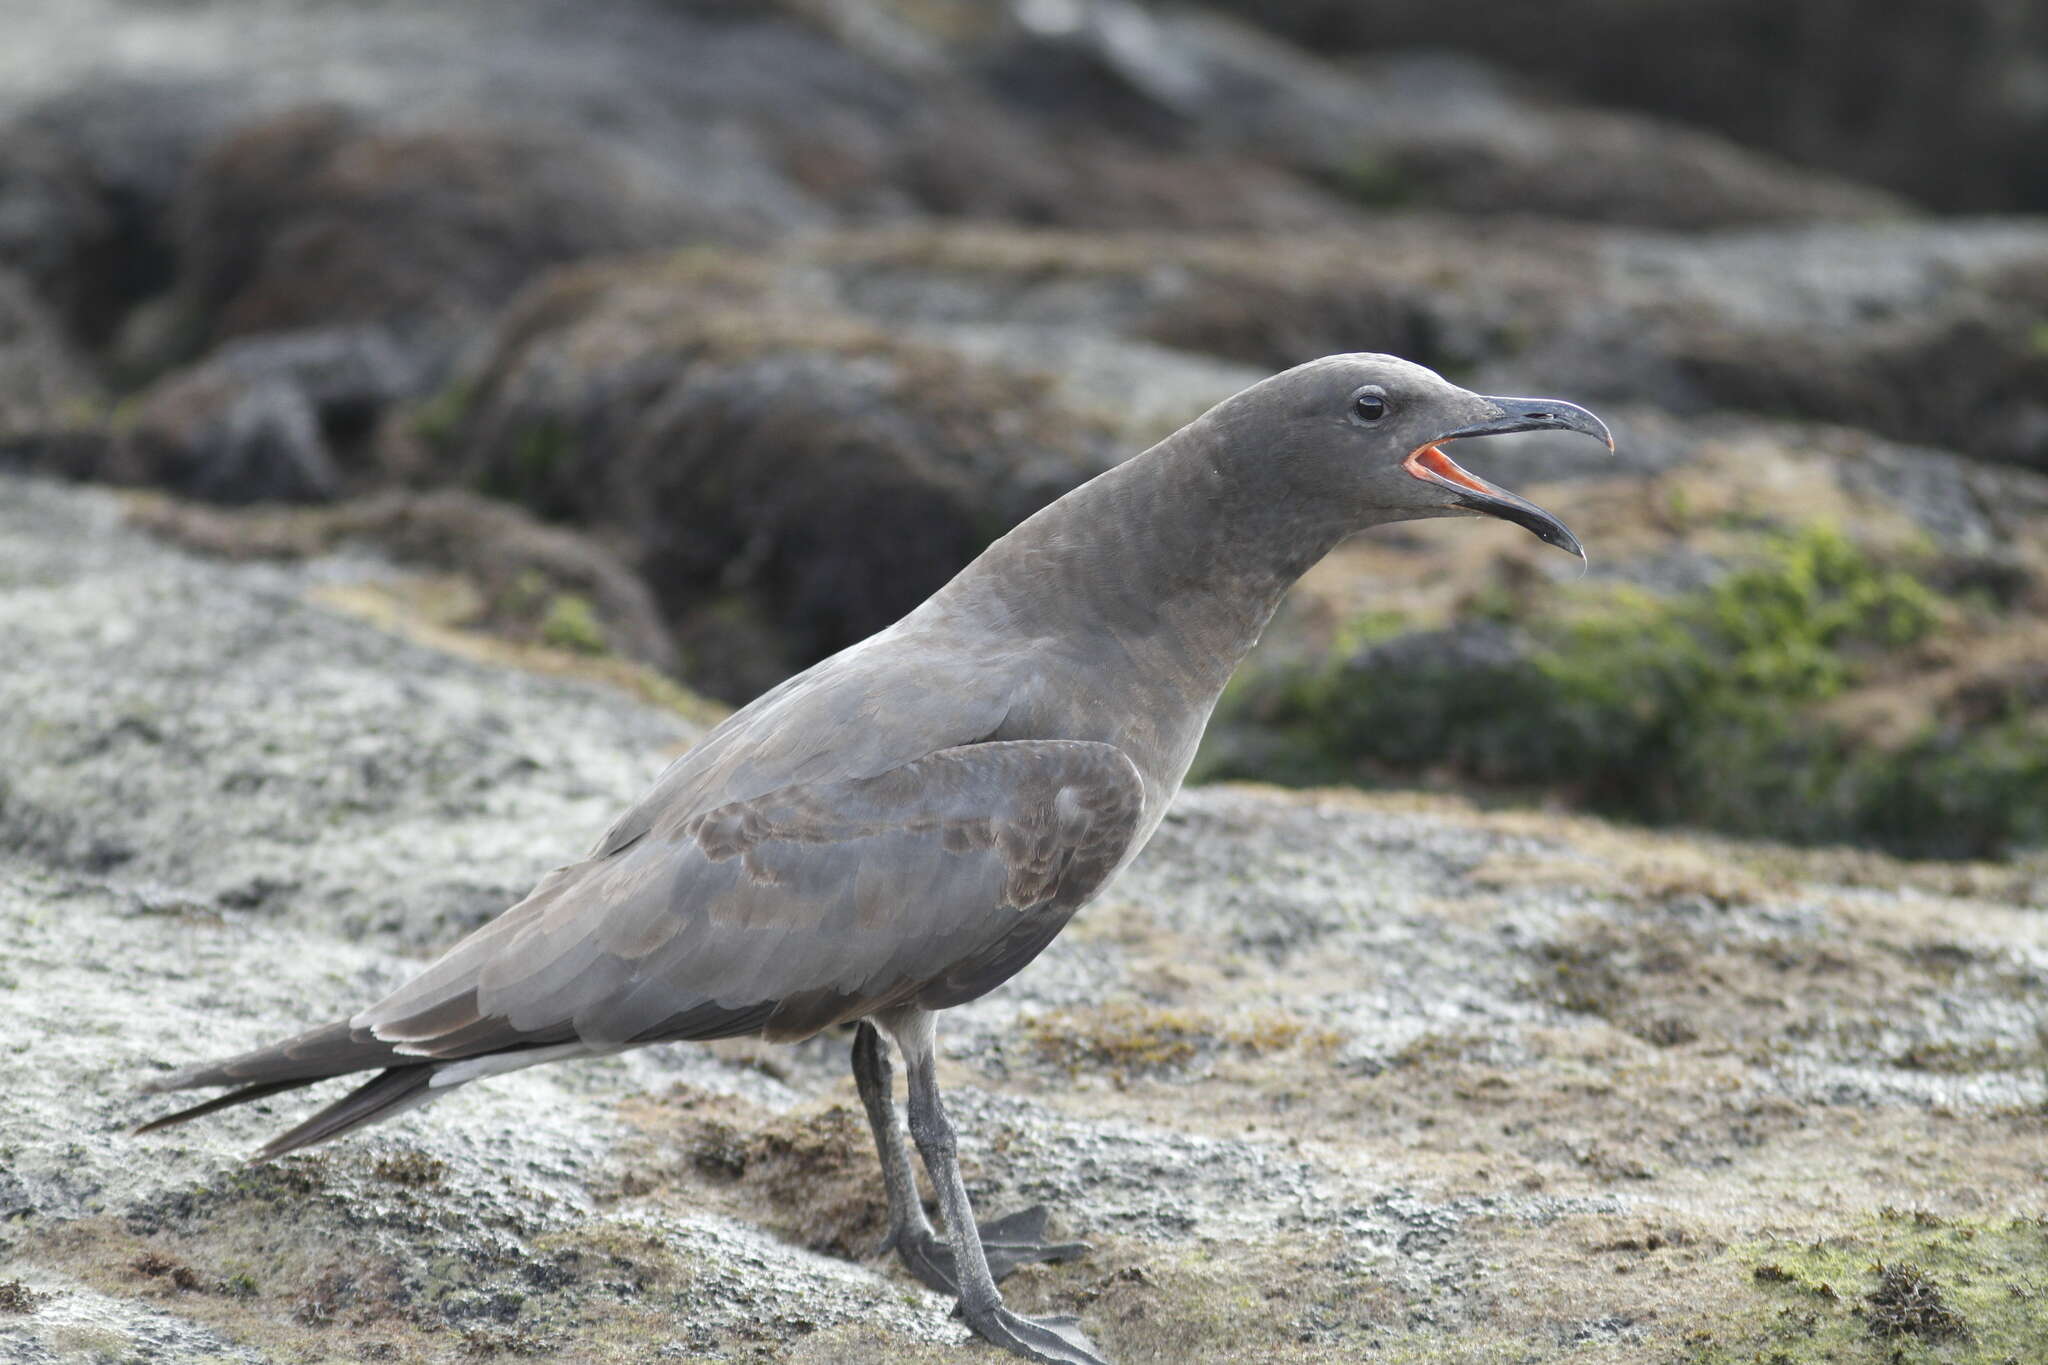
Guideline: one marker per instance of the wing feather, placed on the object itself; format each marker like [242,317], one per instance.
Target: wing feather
[932,882]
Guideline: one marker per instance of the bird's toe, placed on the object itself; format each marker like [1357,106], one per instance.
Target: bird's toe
[1008,1243]
[929,1259]
[1053,1341]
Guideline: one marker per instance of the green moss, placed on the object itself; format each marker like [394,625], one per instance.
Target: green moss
[1142,1040]
[1902,1287]
[437,420]
[536,470]
[1122,1036]
[571,623]
[1372,180]
[1704,708]
[562,620]
[539,452]
[1369,629]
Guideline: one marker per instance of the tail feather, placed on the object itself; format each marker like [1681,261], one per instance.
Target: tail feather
[404,1079]
[331,1050]
[386,1096]
[218,1102]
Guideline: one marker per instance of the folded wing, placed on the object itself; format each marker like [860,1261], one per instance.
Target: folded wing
[929,884]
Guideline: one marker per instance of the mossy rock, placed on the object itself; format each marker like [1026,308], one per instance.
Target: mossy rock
[1711,708]
[1900,1289]
[749,444]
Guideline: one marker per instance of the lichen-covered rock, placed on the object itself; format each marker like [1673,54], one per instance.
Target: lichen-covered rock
[296,165]
[288,719]
[533,583]
[1325,1076]
[1951,353]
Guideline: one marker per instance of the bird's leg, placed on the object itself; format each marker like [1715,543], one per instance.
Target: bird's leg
[1053,1341]
[1006,1243]
[908,1227]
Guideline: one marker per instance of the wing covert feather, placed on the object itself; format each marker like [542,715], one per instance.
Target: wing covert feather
[931,882]
[855,715]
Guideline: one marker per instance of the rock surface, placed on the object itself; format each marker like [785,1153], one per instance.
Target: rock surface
[262,156]
[1940,100]
[312,218]
[762,455]
[1923,332]
[1417,129]
[45,387]
[1325,1076]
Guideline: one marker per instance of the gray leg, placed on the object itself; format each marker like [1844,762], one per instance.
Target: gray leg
[1053,1341]
[1006,1243]
[907,1224]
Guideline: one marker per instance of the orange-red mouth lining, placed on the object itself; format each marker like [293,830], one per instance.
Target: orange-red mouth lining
[1430,460]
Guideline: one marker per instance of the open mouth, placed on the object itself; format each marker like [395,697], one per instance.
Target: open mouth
[1430,464]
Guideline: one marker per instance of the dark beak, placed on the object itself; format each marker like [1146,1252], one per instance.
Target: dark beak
[1536,414]
[1469,490]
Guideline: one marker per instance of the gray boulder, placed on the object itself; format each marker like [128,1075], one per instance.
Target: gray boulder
[1938,99]
[272,418]
[1416,129]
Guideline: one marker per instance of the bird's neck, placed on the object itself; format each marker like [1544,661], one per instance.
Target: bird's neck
[1155,578]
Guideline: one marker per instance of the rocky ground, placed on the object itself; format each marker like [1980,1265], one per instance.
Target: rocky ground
[1326,1077]
[495,393]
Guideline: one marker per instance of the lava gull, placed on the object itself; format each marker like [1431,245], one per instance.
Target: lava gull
[902,827]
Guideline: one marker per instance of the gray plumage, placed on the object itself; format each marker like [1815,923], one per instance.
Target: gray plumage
[905,825]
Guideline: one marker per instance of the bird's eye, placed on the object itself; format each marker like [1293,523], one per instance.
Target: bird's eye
[1369,407]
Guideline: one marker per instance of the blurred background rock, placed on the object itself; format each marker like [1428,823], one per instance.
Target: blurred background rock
[779,312]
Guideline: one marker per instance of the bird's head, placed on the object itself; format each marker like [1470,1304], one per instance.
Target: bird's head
[1364,434]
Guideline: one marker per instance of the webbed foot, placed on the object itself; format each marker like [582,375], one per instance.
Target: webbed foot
[1008,1243]
[1053,1341]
